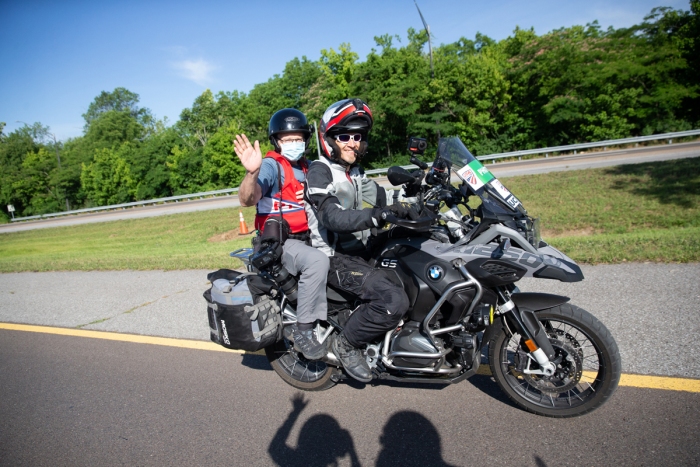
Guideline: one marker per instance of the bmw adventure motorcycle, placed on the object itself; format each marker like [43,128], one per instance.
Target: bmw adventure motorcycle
[459,265]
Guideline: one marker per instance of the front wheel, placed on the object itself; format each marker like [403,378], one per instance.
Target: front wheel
[587,357]
[299,372]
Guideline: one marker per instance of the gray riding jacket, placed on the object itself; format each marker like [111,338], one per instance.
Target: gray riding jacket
[334,206]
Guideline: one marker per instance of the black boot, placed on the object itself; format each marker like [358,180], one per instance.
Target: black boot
[352,359]
[307,343]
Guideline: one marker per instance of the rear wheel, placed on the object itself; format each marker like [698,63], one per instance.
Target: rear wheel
[299,372]
[587,358]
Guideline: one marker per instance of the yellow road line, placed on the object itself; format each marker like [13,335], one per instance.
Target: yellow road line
[637,381]
[113,336]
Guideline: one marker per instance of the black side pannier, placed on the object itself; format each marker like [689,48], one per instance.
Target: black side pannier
[235,321]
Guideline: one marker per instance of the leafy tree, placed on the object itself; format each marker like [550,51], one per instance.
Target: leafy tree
[571,85]
[582,83]
[185,170]
[207,115]
[221,166]
[38,188]
[474,93]
[290,90]
[148,164]
[333,81]
[110,130]
[395,83]
[119,100]
[107,179]
[14,148]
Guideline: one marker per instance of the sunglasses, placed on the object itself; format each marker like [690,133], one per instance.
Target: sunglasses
[346,138]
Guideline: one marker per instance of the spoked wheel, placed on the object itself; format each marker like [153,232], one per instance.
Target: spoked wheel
[299,372]
[587,358]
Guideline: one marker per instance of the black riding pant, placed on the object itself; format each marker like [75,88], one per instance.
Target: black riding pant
[383,302]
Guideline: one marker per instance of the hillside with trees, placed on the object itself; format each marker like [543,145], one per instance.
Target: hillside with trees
[570,85]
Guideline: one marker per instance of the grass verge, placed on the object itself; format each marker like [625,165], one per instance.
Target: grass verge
[641,212]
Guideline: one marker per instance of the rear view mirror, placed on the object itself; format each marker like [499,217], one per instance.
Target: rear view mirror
[398,176]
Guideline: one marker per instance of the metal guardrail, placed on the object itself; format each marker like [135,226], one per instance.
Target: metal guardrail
[492,157]
[571,147]
[204,194]
[575,147]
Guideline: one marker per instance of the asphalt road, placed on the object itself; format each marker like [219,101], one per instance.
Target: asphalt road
[502,169]
[651,309]
[67,401]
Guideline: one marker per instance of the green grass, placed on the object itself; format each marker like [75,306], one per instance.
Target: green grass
[615,200]
[641,212]
[181,241]
[680,245]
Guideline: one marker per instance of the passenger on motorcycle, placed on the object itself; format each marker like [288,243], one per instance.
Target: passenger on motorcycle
[336,187]
[289,133]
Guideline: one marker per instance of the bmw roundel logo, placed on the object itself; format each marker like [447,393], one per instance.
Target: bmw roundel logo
[435,272]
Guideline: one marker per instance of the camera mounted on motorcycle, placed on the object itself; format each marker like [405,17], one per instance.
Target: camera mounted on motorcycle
[270,252]
[417,145]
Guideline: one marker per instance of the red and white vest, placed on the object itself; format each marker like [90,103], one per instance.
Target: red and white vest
[292,211]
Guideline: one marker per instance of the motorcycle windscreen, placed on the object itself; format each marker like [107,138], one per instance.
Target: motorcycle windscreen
[477,177]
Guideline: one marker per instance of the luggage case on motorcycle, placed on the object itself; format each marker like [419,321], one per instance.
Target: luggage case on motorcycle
[235,321]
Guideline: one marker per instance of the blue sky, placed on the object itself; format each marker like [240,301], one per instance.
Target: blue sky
[58,56]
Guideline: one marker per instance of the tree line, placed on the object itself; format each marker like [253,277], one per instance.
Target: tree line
[571,85]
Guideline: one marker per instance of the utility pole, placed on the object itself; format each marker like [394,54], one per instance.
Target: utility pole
[430,50]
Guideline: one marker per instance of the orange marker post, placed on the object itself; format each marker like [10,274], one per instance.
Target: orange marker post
[243,228]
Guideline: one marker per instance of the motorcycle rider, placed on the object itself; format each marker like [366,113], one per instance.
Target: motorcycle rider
[336,187]
[278,179]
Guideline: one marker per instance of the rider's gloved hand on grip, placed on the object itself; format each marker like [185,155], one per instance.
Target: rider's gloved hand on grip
[404,210]
[378,216]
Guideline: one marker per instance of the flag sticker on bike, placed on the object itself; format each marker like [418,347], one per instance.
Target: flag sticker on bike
[482,172]
[470,177]
[475,174]
[503,191]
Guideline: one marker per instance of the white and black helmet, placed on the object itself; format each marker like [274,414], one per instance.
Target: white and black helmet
[346,116]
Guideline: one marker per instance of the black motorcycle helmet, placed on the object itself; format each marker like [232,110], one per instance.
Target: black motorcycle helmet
[346,116]
[288,121]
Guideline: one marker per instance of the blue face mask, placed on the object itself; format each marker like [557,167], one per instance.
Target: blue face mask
[292,151]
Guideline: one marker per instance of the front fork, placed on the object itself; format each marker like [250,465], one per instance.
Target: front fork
[533,333]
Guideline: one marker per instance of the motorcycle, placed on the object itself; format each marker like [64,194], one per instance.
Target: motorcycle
[458,264]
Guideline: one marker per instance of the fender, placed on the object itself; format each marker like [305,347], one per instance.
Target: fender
[527,303]
[536,301]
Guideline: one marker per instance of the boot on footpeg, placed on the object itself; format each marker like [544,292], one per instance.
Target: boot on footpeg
[352,359]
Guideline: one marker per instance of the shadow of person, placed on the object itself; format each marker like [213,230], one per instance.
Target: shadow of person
[256,362]
[321,442]
[410,439]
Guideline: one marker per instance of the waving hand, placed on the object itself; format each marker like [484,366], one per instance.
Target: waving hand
[249,154]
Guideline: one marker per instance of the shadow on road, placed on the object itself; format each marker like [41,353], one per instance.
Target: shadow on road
[256,362]
[488,386]
[410,439]
[321,442]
